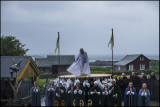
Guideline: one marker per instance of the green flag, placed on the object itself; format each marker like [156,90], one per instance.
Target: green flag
[57,45]
[111,41]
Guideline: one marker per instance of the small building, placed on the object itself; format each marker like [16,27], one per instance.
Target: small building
[132,62]
[55,63]
[25,76]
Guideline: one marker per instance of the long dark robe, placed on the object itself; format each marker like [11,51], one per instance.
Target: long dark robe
[95,99]
[143,80]
[153,87]
[105,98]
[60,101]
[141,99]
[115,101]
[133,97]
[49,96]
[69,97]
[78,99]
[157,90]
[131,77]
[122,86]
[136,83]
[127,82]
[86,91]
[35,97]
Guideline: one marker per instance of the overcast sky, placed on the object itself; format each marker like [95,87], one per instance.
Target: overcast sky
[83,24]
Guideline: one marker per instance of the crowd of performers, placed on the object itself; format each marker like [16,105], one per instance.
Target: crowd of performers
[133,90]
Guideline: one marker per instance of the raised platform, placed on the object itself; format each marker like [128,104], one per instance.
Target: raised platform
[91,76]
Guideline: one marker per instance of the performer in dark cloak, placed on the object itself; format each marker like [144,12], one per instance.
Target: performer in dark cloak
[144,96]
[35,95]
[124,76]
[143,78]
[105,94]
[69,94]
[95,97]
[157,89]
[86,88]
[114,94]
[136,82]
[122,85]
[128,80]
[78,95]
[60,95]
[50,94]
[153,85]
[130,96]
[132,75]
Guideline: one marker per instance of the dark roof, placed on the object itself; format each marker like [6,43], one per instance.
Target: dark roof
[54,60]
[127,59]
[7,61]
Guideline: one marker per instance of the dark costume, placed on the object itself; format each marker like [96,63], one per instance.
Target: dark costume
[143,80]
[78,96]
[144,100]
[86,88]
[122,85]
[105,96]
[129,98]
[95,99]
[60,101]
[136,82]
[157,90]
[127,81]
[153,81]
[50,96]
[35,97]
[69,96]
[117,100]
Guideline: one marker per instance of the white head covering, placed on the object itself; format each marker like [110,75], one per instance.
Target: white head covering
[77,81]
[60,82]
[95,82]
[113,80]
[103,82]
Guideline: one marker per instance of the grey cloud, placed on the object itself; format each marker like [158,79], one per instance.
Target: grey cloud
[83,24]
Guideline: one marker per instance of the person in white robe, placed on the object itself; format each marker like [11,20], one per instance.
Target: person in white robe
[81,65]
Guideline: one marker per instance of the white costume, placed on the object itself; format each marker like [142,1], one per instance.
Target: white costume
[80,67]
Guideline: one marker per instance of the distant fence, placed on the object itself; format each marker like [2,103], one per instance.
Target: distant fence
[48,76]
[138,72]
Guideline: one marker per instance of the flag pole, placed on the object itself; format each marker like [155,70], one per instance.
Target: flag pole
[112,54]
[59,49]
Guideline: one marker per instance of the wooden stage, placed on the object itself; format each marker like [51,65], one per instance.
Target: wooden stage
[91,76]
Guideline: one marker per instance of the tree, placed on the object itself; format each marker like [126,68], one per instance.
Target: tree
[10,46]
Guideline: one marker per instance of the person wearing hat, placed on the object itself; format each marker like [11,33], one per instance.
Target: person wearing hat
[81,65]
[114,94]
[50,94]
[95,95]
[60,95]
[78,95]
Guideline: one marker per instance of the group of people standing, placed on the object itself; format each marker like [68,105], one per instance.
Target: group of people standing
[133,90]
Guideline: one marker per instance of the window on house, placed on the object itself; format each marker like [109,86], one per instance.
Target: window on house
[141,58]
[119,68]
[142,66]
[131,67]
